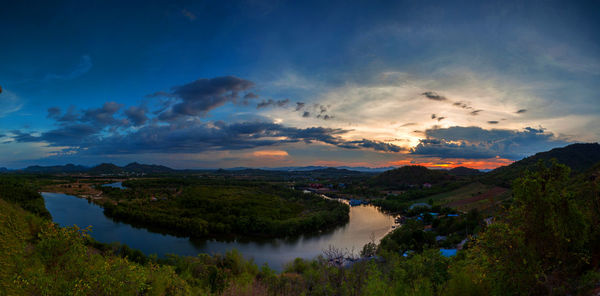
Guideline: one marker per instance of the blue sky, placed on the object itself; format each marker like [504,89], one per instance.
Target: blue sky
[276,83]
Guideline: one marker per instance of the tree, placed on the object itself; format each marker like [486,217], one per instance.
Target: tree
[540,244]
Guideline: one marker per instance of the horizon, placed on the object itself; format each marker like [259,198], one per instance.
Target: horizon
[434,167]
[268,84]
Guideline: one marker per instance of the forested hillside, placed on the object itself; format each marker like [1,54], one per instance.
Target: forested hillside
[578,157]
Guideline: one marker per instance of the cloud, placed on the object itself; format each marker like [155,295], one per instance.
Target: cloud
[270,154]
[321,108]
[189,15]
[186,137]
[462,105]
[306,114]
[476,112]
[375,145]
[279,103]
[102,116]
[521,111]
[475,142]
[433,96]
[299,105]
[69,116]
[137,115]
[84,66]
[493,122]
[70,135]
[9,103]
[199,97]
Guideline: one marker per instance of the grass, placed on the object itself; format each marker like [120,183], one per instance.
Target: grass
[474,195]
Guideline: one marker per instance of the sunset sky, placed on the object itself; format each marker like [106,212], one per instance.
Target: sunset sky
[274,83]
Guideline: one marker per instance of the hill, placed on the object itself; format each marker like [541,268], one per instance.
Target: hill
[579,157]
[135,167]
[411,175]
[464,171]
[106,169]
[56,169]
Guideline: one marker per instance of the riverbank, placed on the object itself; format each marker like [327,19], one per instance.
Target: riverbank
[365,223]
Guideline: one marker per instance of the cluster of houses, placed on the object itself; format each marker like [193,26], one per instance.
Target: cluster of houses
[427,228]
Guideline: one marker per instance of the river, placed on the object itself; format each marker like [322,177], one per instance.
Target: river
[365,222]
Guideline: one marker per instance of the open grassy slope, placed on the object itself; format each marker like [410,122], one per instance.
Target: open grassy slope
[474,195]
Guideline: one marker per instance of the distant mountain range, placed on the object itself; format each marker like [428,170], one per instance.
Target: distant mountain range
[101,169]
[314,168]
[112,169]
[579,157]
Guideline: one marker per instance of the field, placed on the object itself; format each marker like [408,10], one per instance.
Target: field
[474,195]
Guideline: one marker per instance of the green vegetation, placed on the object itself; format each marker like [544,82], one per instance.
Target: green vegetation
[17,191]
[545,242]
[203,208]
[413,175]
[483,197]
[401,202]
[578,157]
[39,258]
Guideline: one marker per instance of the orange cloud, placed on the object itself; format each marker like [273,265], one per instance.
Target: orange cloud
[271,153]
[480,164]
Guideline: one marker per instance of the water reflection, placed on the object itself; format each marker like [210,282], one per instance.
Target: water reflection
[365,222]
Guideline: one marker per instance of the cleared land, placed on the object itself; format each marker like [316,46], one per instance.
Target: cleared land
[475,195]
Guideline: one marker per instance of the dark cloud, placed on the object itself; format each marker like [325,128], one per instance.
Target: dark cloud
[192,137]
[279,103]
[439,118]
[69,116]
[19,136]
[321,108]
[408,124]
[462,105]
[299,105]
[375,145]
[306,114]
[199,97]
[250,95]
[433,96]
[324,117]
[493,122]
[54,112]
[137,115]
[70,135]
[521,111]
[102,116]
[221,136]
[476,112]
[475,142]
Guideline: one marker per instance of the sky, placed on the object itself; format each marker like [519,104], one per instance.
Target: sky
[218,84]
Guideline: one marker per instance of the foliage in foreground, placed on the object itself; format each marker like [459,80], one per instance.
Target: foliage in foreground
[40,258]
[547,243]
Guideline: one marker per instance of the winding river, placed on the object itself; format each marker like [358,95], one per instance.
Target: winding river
[366,222]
